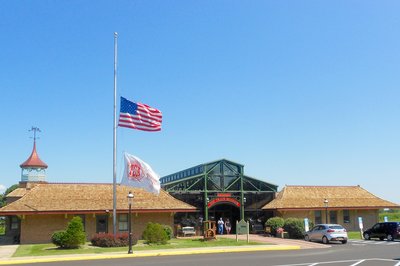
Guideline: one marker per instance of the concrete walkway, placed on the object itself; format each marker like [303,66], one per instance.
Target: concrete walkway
[279,241]
[6,251]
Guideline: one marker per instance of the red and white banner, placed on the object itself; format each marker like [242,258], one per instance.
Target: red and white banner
[139,174]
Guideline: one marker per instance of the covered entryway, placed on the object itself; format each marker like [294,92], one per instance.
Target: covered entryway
[219,189]
[225,211]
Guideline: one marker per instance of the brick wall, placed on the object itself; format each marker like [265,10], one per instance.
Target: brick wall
[37,229]
[370,217]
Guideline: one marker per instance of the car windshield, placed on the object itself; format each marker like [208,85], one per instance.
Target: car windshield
[335,227]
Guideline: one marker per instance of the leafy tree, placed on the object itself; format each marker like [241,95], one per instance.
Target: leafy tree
[3,196]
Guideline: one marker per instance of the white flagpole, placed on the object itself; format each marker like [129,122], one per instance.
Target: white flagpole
[115,138]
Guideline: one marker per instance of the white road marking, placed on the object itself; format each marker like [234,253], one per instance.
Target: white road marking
[357,262]
[354,264]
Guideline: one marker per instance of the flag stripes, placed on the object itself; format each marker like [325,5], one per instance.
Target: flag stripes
[139,116]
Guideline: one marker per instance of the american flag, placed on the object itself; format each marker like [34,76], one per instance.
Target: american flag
[139,116]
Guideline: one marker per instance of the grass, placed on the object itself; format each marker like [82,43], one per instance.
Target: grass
[354,235]
[50,249]
[392,216]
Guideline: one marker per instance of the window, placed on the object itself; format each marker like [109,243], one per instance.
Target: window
[346,216]
[14,223]
[2,225]
[123,222]
[333,217]
[318,217]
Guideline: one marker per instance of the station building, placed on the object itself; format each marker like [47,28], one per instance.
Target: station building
[38,208]
[220,189]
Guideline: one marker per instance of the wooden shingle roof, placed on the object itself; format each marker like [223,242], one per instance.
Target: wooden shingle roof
[90,198]
[19,192]
[312,197]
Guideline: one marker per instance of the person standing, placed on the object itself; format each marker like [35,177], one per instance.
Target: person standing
[220,226]
[228,226]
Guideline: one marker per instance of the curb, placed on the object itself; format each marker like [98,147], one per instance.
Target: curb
[152,254]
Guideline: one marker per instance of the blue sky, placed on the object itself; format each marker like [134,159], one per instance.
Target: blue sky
[300,92]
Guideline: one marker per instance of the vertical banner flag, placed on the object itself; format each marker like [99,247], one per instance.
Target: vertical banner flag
[139,116]
[139,174]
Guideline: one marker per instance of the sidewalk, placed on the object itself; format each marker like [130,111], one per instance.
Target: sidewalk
[277,244]
[279,241]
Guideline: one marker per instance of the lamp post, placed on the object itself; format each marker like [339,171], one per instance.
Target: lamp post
[130,199]
[326,210]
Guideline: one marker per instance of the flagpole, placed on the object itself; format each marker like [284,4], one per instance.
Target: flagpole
[115,138]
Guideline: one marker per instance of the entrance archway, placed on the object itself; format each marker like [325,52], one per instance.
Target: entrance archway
[225,211]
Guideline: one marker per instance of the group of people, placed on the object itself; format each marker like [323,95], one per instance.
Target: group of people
[221,224]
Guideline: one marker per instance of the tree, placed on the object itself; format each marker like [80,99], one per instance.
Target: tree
[3,196]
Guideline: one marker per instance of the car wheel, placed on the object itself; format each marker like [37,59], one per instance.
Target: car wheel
[344,241]
[389,237]
[325,240]
[367,236]
[307,238]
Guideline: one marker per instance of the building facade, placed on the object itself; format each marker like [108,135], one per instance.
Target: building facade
[344,205]
[220,189]
[43,208]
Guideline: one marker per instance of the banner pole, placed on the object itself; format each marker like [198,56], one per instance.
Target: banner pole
[115,138]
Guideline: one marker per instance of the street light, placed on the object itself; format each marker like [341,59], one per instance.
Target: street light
[130,200]
[326,210]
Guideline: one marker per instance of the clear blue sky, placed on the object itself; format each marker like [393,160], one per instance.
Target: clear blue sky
[300,92]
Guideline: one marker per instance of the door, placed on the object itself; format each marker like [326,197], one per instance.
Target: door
[102,224]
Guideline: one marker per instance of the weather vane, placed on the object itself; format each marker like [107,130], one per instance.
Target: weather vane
[34,129]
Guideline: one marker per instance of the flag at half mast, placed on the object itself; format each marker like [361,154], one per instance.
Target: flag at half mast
[139,116]
[139,174]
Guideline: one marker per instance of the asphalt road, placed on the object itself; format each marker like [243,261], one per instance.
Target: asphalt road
[361,253]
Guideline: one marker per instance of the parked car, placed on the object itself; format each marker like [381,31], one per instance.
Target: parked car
[388,230]
[327,233]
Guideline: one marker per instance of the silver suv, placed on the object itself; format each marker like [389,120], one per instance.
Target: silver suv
[327,233]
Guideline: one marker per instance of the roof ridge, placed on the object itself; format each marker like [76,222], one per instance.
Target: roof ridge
[321,186]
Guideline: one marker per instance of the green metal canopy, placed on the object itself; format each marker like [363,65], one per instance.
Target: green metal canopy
[221,176]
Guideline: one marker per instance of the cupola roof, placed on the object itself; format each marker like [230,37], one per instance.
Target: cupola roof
[34,161]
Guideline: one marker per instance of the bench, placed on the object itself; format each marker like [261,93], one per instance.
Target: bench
[188,231]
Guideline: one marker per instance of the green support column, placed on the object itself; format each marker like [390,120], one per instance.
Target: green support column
[241,195]
[205,198]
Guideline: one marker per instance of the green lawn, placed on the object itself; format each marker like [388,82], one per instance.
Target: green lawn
[393,216]
[354,235]
[50,249]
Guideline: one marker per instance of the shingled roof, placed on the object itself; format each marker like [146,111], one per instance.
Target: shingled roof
[89,198]
[312,197]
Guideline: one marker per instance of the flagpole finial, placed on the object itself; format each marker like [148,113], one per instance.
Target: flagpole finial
[115,34]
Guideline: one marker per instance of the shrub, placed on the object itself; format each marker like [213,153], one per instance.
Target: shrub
[108,240]
[58,238]
[275,223]
[295,227]
[168,230]
[72,237]
[155,234]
